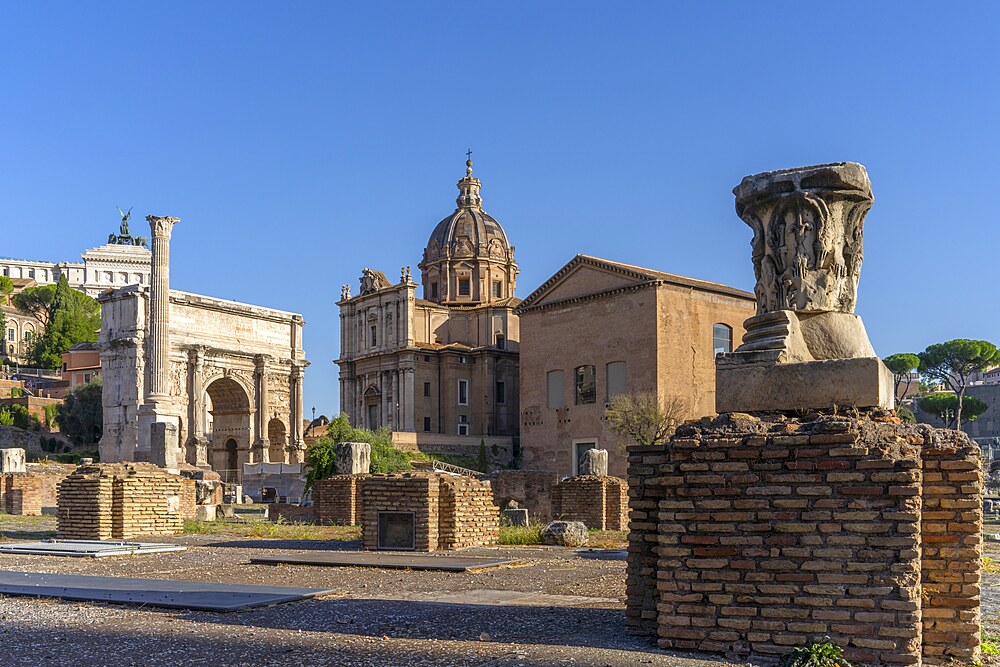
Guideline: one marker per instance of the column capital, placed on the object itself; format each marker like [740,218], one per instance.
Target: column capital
[161,226]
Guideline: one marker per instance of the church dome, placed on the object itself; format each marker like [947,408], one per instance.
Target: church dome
[469,231]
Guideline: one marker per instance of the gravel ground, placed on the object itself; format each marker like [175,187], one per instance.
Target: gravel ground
[557,607]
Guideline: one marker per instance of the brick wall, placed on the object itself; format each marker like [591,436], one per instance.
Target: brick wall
[337,500]
[467,517]
[407,492]
[951,528]
[599,502]
[754,536]
[450,511]
[121,501]
[531,489]
[20,493]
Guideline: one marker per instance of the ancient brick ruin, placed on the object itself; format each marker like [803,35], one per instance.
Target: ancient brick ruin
[427,512]
[754,534]
[20,493]
[599,502]
[337,500]
[122,501]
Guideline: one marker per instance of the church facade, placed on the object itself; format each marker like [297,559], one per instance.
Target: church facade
[441,370]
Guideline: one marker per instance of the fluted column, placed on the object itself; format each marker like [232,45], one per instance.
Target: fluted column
[159,306]
[261,443]
[157,404]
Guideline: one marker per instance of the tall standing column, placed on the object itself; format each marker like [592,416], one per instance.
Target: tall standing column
[261,444]
[157,404]
[159,307]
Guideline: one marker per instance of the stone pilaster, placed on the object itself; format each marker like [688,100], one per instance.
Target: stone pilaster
[197,444]
[295,431]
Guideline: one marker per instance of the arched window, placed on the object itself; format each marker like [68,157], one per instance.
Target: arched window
[586,385]
[722,339]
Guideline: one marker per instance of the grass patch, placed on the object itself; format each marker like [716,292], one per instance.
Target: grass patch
[990,644]
[514,535]
[277,530]
[608,539]
[990,565]
[528,535]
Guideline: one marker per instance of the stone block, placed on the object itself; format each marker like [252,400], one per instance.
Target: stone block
[353,458]
[860,383]
[514,516]
[12,460]
[594,463]
[164,448]
[206,512]
[565,534]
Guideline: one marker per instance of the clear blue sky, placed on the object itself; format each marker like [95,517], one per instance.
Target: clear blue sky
[299,142]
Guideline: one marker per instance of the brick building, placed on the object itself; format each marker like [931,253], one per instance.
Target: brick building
[599,328]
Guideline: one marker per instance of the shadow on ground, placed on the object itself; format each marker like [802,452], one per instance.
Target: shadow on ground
[603,554]
[300,545]
[29,535]
[411,619]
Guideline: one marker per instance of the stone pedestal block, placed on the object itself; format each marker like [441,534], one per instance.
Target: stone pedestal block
[514,517]
[860,383]
[164,447]
[12,460]
[353,458]
[595,463]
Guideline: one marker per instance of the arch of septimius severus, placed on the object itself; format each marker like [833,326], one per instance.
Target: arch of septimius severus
[227,375]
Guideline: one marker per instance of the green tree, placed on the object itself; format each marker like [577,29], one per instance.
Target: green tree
[954,362]
[902,366]
[81,417]
[37,301]
[321,457]
[644,418]
[944,404]
[72,318]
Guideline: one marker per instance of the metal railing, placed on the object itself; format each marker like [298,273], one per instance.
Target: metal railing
[441,466]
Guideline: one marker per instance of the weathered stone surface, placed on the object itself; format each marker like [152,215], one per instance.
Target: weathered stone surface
[565,534]
[861,383]
[594,463]
[12,460]
[513,516]
[353,458]
[164,445]
[808,225]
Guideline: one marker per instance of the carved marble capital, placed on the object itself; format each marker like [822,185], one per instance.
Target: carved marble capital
[808,227]
[161,227]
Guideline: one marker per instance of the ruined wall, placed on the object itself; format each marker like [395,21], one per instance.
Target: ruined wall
[599,502]
[20,493]
[120,501]
[467,517]
[450,511]
[754,536]
[531,489]
[337,500]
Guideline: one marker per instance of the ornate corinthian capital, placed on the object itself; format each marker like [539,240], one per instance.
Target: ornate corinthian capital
[161,227]
[808,225]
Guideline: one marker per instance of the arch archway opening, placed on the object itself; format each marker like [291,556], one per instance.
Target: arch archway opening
[229,407]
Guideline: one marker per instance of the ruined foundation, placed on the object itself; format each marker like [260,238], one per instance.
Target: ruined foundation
[599,502]
[120,501]
[758,534]
[20,493]
[337,500]
[427,512]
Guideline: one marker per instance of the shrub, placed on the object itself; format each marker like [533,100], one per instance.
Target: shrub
[817,654]
[322,457]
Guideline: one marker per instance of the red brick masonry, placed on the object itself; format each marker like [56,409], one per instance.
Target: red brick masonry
[757,534]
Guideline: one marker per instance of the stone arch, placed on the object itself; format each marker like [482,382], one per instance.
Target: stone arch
[278,439]
[229,405]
